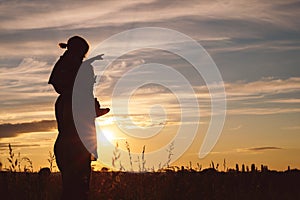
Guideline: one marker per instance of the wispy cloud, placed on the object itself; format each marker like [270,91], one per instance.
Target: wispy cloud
[251,150]
[263,148]
[244,98]
[286,101]
[57,13]
[26,85]
[240,25]
[29,78]
[236,128]
[291,128]
[206,21]
[5,145]
[12,130]
[262,111]
[25,91]
[266,86]
[263,97]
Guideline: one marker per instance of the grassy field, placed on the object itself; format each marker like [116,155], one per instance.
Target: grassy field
[206,184]
[166,183]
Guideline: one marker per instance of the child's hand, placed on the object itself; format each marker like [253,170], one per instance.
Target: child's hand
[99,57]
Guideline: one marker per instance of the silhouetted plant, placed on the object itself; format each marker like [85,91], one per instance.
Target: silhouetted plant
[122,168]
[139,163]
[44,172]
[143,159]
[51,161]
[199,167]
[243,168]
[217,166]
[253,169]
[170,154]
[19,162]
[12,160]
[182,168]
[152,169]
[237,167]
[116,155]
[266,168]
[191,165]
[212,165]
[15,163]
[263,168]
[159,166]
[224,165]
[30,167]
[129,154]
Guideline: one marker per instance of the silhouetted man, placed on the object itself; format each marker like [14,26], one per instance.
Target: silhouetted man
[73,157]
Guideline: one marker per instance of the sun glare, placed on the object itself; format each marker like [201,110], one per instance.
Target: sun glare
[108,134]
[104,132]
[105,121]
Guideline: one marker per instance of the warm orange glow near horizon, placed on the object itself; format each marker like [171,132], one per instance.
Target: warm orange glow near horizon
[255,46]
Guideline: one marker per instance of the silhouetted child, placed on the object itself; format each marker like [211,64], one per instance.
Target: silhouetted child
[73,156]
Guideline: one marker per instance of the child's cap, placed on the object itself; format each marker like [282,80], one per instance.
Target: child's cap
[75,42]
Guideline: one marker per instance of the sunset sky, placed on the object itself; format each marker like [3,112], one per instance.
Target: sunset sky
[255,45]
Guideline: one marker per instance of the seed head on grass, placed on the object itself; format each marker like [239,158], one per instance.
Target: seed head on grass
[30,167]
[199,167]
[170,154]
[116,155]
[142,162]
[143,159]
[224,165]
[139,163]
[12,160]
[51,160]
[129,154]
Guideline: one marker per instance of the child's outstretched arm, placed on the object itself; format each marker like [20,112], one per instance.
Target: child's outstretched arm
[98,57]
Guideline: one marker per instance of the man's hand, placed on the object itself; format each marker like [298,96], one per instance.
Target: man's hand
[100,111]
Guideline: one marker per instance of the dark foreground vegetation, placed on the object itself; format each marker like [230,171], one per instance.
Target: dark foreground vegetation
[206,184]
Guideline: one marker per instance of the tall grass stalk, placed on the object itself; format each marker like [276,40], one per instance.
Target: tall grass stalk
[116,158]
[30,167]
[51,161]
[12,160]
[129,154]
[170,154]
[143,159]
